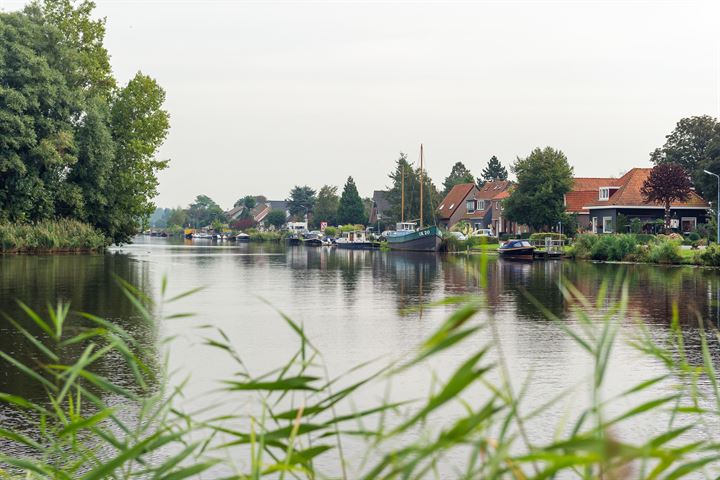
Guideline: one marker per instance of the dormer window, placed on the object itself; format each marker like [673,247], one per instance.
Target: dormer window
[604,193]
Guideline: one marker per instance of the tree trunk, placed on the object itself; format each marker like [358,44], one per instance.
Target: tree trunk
[667,218]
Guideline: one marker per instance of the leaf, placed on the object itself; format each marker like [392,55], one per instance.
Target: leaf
[283,384]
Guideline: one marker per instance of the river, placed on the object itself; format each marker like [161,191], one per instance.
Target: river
[354,305]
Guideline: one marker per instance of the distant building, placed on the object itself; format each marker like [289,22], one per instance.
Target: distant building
[261,210]
[380,206]
[599,201]
[480,207]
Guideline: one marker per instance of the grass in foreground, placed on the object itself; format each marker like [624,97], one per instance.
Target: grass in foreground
[296,420]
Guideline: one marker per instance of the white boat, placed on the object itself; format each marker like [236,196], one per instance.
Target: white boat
[242,237]
[201,236]
[356,240]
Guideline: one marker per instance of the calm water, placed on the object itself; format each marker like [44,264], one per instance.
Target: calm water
[355,306]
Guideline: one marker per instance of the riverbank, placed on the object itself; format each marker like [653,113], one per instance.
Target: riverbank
[51,236]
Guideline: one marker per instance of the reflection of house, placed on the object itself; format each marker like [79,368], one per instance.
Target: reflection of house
[598,202]
[480,207]
[380,206]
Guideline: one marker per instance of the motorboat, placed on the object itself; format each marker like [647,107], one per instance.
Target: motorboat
[242,237]
[520,249]
[355,240]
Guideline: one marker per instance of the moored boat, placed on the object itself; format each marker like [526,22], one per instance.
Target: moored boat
[405,237]
[519,249]
[293,239]
[242,237]
[355,240]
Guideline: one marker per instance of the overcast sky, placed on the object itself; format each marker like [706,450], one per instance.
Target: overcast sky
[266,95]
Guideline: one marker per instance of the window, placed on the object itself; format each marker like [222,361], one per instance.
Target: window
[442,206]
[607,224]
[481,204]
[470,206]
[594,224]
[604,193]
[688,224]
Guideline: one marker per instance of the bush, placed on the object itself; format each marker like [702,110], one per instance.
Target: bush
[63,235]
[330,231]
[636,225]
[541,236]
[645,238]
[667,251]
[710,256]
[604,247]
[693,236]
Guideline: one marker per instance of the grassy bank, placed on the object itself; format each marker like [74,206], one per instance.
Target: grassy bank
[297,422]
[51,236]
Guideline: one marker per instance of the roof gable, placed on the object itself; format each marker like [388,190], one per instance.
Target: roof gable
[454,198]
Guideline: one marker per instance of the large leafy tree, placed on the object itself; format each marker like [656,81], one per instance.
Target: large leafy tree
[694,144]
[204,212]
[667,183]
[351,210]
[431,196]
[458,175]
[327,204]
[301,201]
[493,171]
[276,218]
[72,144]
[543,178]
[248,202]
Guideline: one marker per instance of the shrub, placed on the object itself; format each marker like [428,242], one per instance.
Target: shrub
[710,256]
[604,247]
[541,236]
[330,231]
[583,245]
[693,236]
[645,238]
[666,251]
[636,225]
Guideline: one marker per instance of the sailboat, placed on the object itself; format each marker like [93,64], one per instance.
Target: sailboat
[406,236]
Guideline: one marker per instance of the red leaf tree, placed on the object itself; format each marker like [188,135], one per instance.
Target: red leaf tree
[243,223]
[667,183]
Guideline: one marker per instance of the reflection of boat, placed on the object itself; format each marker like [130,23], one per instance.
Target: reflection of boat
[293,239]
[521,249]
[356,240]
[405,236]
[242,237]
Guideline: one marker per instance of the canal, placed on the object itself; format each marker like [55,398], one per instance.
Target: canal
[357,306]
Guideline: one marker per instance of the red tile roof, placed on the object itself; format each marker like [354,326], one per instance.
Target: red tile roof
[453,199]
[585,190]
[629,193]
[491,190]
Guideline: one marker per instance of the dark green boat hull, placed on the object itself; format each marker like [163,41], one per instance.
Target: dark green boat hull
[425,240]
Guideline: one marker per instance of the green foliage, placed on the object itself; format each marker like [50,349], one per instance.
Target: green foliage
[621,223]
[178,217]
[543,235]
[276,218]
[710,256]
[301,201]
[666,251]
[636,225]
[351,228]
[296,417]
[458,175]
[351,208]
[204,211]
[493,171]
[331,231]
[50,236]
[248,202]
[72,144]
[605,247]
[543,178]
[694,144]
[326,206]
[431,196]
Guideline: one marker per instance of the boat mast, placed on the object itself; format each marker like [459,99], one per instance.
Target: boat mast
[402,195]
[421,186]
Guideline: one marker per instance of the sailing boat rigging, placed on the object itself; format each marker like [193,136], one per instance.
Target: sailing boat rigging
[406,236]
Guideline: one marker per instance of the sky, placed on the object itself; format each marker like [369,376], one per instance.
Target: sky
[265,95]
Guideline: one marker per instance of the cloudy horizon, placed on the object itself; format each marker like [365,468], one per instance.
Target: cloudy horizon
[267,95]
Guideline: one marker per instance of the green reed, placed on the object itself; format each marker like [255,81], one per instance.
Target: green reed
[297,421]
[50,236]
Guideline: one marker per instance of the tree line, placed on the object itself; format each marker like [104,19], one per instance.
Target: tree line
[73,142]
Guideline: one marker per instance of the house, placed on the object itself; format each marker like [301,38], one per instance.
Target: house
[597,202]
[380,206]
[480,207]
[260,212]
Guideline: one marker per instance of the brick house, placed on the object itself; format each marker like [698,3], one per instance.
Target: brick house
[480,207]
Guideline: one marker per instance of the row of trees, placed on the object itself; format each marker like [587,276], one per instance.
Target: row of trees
[73,143]
[327,206]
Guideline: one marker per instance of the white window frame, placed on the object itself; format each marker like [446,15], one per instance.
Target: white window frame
[480,204]
[604,194]
[605,221]
[470,206]
[594,224]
